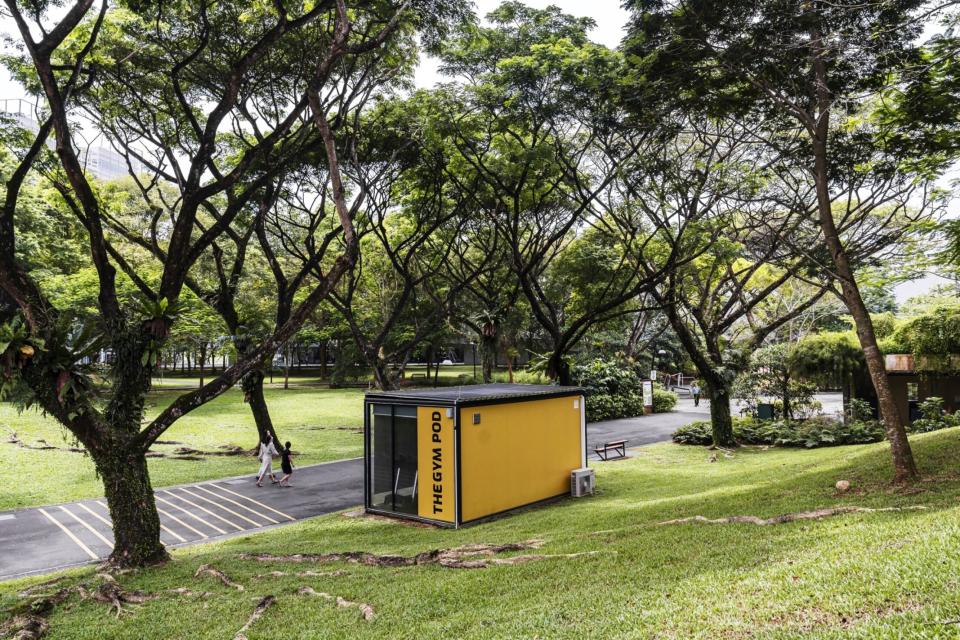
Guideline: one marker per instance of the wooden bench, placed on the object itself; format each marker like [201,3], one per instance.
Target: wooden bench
[612,450]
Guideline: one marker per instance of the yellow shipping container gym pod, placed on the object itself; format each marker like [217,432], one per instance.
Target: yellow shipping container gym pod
[456,455]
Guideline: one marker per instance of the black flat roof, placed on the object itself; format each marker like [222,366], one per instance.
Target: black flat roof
[473,393]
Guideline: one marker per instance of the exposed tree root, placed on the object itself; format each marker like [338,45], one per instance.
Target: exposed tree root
[365,610]
[222,450]
[112,594]
[46,603]
[42,445]
[263,605]
[40,586]
[470,556]
[789,517]
[219,575]
[24,627]
[31,622]
[188,453]
[304,574]
[455,558]
[183,591]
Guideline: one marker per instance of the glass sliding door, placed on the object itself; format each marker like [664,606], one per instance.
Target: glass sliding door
[393,462]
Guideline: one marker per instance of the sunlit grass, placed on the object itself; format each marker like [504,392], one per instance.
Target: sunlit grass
[323,424]
[871,575]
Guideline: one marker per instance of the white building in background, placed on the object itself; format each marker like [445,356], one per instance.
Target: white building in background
[100,160]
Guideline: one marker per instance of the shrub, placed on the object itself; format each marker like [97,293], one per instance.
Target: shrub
[663,401]
[699,432]
[522,376]
[614,389]
[933,418]
[860,410]
[815,432]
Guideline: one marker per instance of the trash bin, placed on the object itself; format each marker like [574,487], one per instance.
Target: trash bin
[765,411]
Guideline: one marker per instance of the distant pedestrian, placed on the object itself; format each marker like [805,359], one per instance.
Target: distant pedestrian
[695,392]
[265,452]
[285,465]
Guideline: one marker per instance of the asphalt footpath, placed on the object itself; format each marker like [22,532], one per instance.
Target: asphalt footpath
[48,538]
[42,539]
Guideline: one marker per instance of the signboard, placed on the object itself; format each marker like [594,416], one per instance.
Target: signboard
[648,396]
[436,479]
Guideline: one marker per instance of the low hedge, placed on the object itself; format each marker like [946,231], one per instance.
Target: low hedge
[815,432]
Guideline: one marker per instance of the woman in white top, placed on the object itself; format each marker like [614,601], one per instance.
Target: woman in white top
[265,452]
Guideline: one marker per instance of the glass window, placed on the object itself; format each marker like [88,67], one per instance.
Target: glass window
[393,463]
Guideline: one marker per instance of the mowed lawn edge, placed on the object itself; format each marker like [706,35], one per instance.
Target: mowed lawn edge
[323,425]
[856,575]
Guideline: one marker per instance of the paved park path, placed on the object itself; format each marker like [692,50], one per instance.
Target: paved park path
[43,539]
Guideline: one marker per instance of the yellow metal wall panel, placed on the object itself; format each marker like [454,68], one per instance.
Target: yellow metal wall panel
[521,452]
[436,479]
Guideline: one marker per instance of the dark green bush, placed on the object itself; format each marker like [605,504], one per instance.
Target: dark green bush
[615,390]
[698,432]
[933,417]
[663,401]
[815,432]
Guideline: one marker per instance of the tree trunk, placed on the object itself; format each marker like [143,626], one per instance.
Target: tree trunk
[636,330]
[203,361]
[253,386]
[381,374]
[488,353]
[286,368]
[846,386]
[720,418]
[136,524]
[904,467]
[559,369]
[787,409]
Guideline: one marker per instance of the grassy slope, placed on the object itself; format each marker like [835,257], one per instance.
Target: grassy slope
[873,575]
[308,417]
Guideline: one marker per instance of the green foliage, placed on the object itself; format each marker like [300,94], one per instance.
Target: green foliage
[860,410]
[615,389]
[933,417]
[769,376]
[663,401]
[17,349]
[935,336]
[523,376]
[826,358]
[815,432]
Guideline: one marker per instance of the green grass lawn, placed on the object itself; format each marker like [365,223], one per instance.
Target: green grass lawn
[322,424]
[863,575]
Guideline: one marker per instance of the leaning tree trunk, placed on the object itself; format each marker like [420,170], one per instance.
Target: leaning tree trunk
[253,393]
[136,524]
[904,467]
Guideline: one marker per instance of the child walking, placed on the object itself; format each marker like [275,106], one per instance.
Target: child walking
[285,465]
